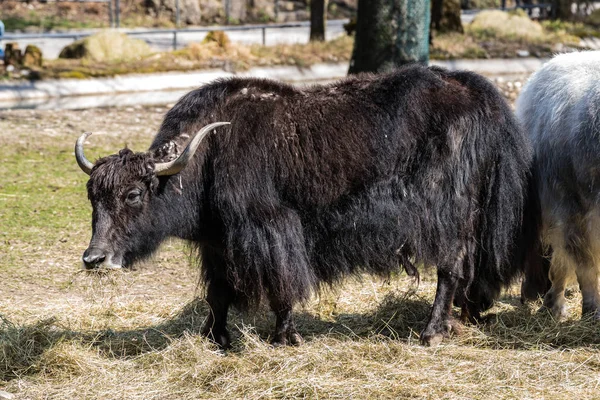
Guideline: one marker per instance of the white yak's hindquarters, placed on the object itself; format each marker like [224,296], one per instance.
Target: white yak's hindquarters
[559,109]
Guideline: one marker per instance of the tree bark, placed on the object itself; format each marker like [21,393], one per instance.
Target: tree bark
[318,10]
[390,33]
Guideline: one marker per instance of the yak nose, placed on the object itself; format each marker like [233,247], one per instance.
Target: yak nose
[92,257]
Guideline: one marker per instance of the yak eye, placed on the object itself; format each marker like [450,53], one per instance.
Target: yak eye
[133,197]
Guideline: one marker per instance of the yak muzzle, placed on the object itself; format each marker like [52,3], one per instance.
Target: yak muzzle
[98,258]
[93,257]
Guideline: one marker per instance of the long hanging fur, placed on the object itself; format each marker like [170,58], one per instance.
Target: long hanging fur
[311,185]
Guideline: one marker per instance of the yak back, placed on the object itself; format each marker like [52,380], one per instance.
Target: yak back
[311,184]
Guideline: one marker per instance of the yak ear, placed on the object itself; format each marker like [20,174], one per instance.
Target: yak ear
[166,152]
[175,166]
[125,152]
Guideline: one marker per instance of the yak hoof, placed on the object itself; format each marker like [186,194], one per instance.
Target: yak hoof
[292,338]
[220,338]
[558,311]
[431,340]
[590,311]
[434,336]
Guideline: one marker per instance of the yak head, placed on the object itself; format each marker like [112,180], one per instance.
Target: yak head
[121,189]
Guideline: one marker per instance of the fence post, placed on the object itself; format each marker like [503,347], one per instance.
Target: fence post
[227,11]
[118,13]
[264,36]
[276,10]
[175,39]
[110,14]
[177,13]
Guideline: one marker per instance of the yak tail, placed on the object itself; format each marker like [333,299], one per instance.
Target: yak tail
[534,259]
[509,238]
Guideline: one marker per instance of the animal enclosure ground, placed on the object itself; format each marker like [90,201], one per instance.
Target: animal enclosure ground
[65,334]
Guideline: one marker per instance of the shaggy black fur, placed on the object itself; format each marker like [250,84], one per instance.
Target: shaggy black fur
[310,185]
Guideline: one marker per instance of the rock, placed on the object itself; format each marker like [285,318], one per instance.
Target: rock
[189,10]
[287,5]
[13,55]
[6,396]
[522,53]
[218,37]
[261,10]
[301,15]
[107,45]
[32,57]
[211,10]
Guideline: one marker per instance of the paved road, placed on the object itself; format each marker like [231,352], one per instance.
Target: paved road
[164,41]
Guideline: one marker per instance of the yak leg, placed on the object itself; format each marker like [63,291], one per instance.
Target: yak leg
[285,330]
[219,296]
[588,273]
[587,276]
[560,270]
[440,325]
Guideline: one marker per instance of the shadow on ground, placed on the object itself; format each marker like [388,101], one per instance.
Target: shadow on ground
[397,317]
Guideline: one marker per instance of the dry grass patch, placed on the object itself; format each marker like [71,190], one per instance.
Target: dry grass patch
[502,25]
[204,55]
[498,34]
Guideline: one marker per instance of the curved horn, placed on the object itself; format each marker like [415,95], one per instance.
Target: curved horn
[85,164]
[173,167]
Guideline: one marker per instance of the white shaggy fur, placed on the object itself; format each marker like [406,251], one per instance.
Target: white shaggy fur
[559,108]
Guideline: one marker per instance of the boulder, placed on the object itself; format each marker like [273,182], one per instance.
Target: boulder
[32,57]
[212,10]
[13,55]
[105,46]
[189,10]
[261,10]
[218,37]
[237,11]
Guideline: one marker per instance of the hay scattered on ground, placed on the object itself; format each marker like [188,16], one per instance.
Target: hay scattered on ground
[65,334]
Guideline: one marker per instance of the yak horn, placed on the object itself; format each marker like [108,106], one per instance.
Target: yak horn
[85,164]
[173,167]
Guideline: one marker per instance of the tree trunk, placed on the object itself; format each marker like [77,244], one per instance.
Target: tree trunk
[445,16]
[437,8]
[390,33]
[561,9]
[318,9]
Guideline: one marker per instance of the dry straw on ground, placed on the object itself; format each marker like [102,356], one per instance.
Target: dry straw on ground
[134,335]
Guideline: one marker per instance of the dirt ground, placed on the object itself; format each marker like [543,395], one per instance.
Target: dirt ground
[65,334]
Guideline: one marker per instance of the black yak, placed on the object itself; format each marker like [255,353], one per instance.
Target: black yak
[559,108]
[307,186]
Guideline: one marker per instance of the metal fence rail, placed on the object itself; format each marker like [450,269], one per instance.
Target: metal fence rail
[173,32]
